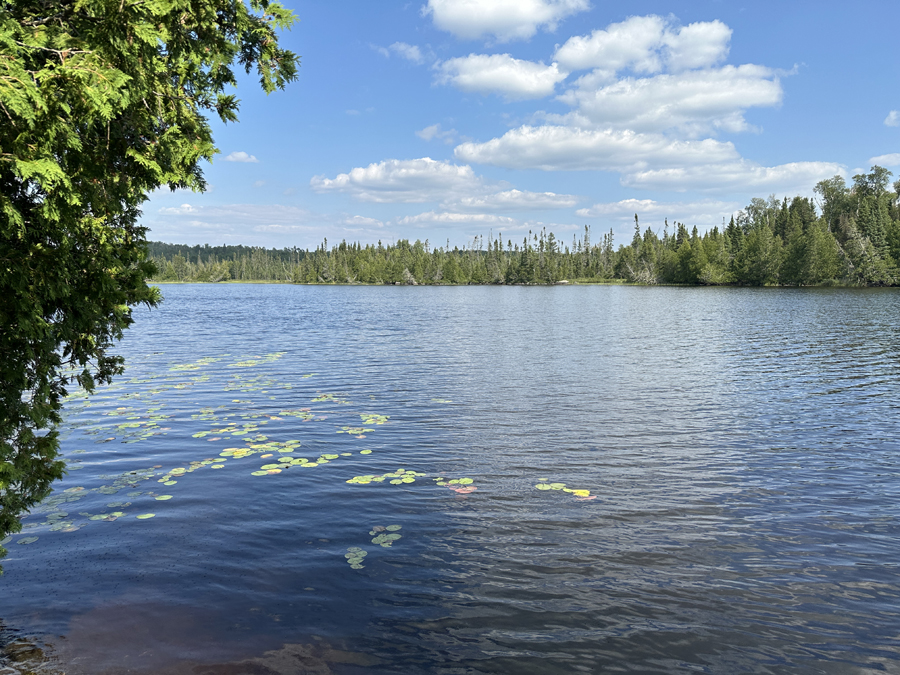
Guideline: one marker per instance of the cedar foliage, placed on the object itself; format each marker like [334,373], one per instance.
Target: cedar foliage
[101,102]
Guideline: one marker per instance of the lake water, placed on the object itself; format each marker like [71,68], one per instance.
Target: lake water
[733,455]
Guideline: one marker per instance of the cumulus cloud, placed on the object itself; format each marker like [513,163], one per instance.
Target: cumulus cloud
[554,148]
[408,180]
[178,210]
[500,74]
[892,159]
[450,218]
[707,212]
[408,52]
[240,156]
[742,175]
[505,20]
[893,119]
[363,221]
[646,44]
[455,187]
[515,200]
[691,101]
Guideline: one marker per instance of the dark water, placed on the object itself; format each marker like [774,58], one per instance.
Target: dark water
[739,447]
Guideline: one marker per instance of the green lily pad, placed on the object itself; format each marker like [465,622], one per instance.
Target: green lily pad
[365,452]
[170,482]
[217,466]
[557,486]
[393,528]
[163,498]
[144,516]
[543,486]
[27,540]
[260,473]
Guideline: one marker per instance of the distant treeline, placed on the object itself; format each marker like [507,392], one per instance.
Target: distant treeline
[853,240]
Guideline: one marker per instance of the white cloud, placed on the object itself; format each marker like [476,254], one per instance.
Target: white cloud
[435,131]
[178,210]
[500,74]
[408,52]
[893,119]
[706,213]
[448,218]
[514,200]
[554,148]
[742,175]
[240,156]
[630,44]
[652,161]
[646,44]
[409,180]
[363,221]
[504,19]
[698,45]
[691,101]
[892,159]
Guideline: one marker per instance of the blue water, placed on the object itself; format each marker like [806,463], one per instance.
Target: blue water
[739,447]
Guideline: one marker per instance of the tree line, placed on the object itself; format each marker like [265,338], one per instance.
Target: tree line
[847,235]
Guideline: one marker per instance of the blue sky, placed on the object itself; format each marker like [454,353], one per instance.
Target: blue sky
[447,119]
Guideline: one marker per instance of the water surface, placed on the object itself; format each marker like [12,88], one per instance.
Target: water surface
[738,447]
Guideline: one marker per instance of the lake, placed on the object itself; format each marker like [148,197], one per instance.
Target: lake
[349,480]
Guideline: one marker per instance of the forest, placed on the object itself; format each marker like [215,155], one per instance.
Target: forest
[846,235]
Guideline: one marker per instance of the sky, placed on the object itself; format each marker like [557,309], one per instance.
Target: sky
[444,120]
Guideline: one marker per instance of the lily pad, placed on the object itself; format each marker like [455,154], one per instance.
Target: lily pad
[393,528]
[365,452]
[260,473]
[144,516]
[27,540]
[163,498]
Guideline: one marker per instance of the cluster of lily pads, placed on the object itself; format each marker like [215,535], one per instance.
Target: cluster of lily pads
[355,556]
[251,361]
[330,398]
[286,462]
[198,364]
[304,415]
[461,486]
[398,477]
[142,414]
[385,536]
[580,494]
[372,418]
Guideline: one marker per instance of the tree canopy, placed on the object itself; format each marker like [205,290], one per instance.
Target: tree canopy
[854,242]
[101,102]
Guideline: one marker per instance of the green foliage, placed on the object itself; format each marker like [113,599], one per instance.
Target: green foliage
[101,102]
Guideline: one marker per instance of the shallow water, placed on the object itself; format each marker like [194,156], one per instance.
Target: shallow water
[738,445]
